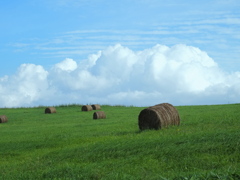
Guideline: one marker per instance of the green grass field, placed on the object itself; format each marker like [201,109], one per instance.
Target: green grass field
[71,145]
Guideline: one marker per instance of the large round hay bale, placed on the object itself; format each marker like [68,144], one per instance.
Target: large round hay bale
[158,116]
[87,108]
[96,107]
[50,110]
[99,115]
[3,119]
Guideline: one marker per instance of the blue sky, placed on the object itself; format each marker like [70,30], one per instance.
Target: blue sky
[78,36]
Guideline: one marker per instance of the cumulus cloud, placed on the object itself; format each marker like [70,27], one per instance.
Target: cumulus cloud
[25,87]
[66,65]
[179,75]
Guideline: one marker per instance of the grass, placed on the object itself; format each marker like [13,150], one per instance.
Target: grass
[71,145]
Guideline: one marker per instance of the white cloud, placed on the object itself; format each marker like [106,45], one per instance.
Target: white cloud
[25,87]
[118,75]
[66,65]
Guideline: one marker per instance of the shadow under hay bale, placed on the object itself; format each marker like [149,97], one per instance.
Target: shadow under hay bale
[87,108]
[96,107]
[158,116]
[50,110]
[99,115]
[3,119]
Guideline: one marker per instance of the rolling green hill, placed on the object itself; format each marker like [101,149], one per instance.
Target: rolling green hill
[71,145]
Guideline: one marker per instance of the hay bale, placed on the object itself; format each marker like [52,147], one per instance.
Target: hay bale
[3,119]
[96,107]
[87,108]
[50,110]
[158,116]
[99,115]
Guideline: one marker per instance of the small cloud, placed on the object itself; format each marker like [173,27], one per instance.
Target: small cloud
[20,45]
[66,65]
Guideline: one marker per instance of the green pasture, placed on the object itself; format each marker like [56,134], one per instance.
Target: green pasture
[71,145]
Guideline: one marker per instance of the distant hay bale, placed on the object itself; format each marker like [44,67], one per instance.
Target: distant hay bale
[96,107]
[3,119]
[50,110]
[158,116]
[99,115]
[87,108]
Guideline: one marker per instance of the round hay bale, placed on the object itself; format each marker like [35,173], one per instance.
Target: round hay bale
[87,108]
[99,115]
[96,107]
[158,116]
[50,110]
[3,119]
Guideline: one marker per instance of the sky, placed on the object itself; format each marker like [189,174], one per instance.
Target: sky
[125,52]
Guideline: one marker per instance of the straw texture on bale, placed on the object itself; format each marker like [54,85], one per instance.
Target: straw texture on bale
[158,116]
[99,115]
[87,108]
[50,110]
[3,119]
[96,107]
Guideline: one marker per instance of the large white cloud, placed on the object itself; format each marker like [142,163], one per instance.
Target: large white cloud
[25,87]
[118,75]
